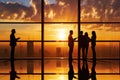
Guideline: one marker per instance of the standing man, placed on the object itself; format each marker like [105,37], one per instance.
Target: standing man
[13,41]
[81,42]
[71,43]
[71,46]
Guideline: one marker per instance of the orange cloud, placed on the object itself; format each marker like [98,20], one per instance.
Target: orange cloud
[51,14]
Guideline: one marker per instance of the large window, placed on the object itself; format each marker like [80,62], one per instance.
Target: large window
[43,27]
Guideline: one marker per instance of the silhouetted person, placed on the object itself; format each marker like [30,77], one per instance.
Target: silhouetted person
[71,45]
[13,41]
[93,44]
[81,42]
[81,39]
[86,41]
[80,74]
[93,71]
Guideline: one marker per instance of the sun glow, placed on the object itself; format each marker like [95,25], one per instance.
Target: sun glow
[61,34]
[62,77]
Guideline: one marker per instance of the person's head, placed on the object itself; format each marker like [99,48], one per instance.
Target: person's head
[71,32]
[81,32]
[94,33]
[86,34]
[13,31]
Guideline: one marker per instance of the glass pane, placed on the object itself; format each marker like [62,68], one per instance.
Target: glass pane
[60,10]
[20,10]
[58,66]
[59,32]
[22,50]
[100,10]
[107,50]
[24,31]
[53,48]
[107,66]
[103,31]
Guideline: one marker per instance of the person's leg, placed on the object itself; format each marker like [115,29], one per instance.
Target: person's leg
[12,58]
[70,55]
[83,53]
[94,52]
[86,52]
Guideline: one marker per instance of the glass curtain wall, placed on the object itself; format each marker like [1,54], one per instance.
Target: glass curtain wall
[43,27]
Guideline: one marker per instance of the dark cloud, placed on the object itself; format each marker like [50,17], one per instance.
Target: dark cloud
[107,10]
[101,11]
[63,10]
[16,11]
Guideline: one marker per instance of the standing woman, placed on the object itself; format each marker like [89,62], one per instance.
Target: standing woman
[93,44]
[86,44]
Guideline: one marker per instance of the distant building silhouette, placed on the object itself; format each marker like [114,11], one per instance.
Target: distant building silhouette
[30,53]
[58,54]
[5,53]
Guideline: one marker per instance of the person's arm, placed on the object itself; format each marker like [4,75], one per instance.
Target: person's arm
[17,39]
[75,38]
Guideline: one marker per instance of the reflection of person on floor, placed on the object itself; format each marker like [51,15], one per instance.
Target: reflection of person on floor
[93,71]
[71,45]
[85,71]
[71,73]
[13,41]
[93,44]
[13,75]
[80,74]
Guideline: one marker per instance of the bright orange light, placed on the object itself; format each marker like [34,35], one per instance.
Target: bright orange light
[61,34]
[61,77]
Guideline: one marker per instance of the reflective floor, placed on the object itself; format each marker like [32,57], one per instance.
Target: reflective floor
[28,67]
[58,69]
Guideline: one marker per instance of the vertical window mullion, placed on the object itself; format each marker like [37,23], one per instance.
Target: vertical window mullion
[42,37]
[78,38]
[119,57]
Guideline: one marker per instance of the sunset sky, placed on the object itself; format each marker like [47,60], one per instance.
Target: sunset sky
[59,11]
[56,12]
